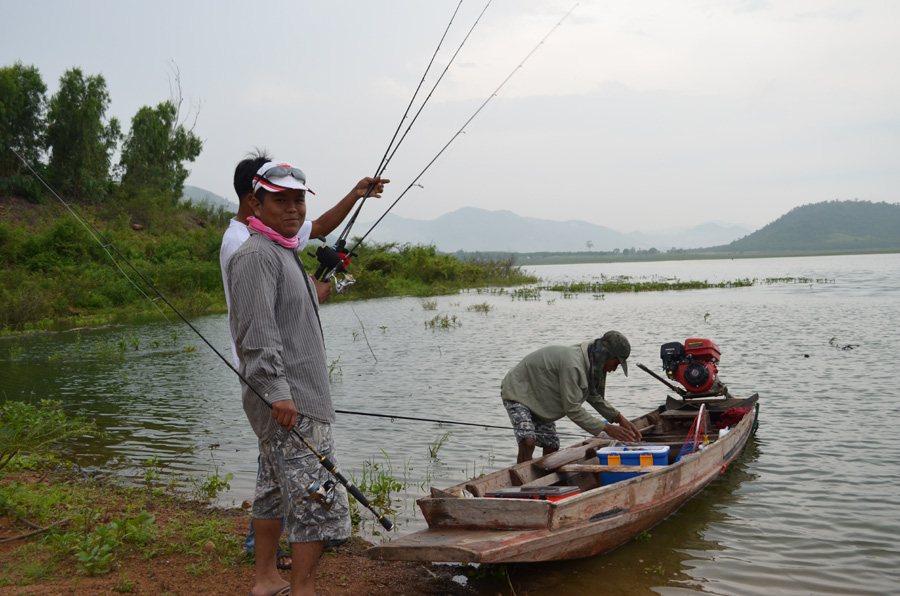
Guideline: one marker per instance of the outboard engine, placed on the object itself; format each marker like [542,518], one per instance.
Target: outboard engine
[693,364]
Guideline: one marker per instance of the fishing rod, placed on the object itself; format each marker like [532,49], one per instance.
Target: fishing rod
[343,261]
[95,233]
[387,159]
[436,83]
[393,417]
[334,260]
[388,154]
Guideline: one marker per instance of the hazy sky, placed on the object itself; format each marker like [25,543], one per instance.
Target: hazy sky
[636,115]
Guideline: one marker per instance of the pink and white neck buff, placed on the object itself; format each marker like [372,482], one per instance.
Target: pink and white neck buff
[257,226]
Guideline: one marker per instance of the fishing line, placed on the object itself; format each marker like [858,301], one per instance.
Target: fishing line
[323,460]
[364,334]
[382,164]
[389,154]
[393,417]
[94,233]
[459,132]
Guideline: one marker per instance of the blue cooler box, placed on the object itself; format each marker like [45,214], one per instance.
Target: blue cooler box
[643,455]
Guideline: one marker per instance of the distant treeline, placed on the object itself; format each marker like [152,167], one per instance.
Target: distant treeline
[831,227]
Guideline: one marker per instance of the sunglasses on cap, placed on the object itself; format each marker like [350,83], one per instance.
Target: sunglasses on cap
[283,171]
[280,171]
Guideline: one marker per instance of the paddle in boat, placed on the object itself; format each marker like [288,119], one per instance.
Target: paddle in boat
[592,497]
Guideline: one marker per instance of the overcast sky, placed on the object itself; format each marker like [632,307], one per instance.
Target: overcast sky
[635,115]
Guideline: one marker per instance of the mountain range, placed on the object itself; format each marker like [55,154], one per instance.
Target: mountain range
[472,229]
[827,226]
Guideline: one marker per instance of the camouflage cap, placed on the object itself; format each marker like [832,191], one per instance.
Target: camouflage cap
[617,346]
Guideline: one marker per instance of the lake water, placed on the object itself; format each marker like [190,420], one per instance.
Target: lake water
[810,508]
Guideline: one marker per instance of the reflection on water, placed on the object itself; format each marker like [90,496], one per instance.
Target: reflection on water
[809,509]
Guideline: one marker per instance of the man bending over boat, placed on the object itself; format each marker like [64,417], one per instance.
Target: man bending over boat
[553,382]
[274,320]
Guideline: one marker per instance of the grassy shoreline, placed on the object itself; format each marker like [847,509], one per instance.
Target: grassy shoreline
[95,536]
[56,273]
[65,531]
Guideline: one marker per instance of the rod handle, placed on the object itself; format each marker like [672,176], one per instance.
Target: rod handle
[357,494]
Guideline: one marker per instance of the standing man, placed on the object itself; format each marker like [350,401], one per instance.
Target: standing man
[238,232]
[554,382]
[273,319]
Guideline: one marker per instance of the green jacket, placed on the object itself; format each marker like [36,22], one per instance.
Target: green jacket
[553,382]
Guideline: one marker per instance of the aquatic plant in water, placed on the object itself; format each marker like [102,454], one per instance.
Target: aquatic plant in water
[443,322]
[483,308]
[436,445]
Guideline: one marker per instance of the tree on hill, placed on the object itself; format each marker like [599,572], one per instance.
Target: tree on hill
[155,150]
[81,144]
[22,125]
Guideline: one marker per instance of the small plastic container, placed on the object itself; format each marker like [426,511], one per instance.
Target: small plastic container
[621,455]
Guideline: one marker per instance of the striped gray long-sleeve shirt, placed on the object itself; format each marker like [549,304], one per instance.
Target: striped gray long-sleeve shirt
[275,326]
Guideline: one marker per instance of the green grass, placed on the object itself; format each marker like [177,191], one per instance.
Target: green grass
[87,524]
[54,274]
[96,522]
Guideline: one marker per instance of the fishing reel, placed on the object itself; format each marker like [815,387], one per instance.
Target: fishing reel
[693,365]
[332,263]
[322,494]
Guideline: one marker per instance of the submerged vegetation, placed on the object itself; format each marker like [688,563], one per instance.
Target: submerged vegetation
[606,285]
[609,285]
[443,322]
[34,429]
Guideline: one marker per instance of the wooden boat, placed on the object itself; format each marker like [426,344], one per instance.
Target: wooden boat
[465,525]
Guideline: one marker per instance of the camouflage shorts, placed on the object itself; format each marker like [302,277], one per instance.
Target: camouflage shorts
[287,469]
[528,426]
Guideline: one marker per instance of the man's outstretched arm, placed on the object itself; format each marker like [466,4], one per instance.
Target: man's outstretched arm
[331,219]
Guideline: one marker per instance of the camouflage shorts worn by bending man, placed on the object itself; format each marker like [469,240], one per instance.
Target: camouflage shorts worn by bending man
[287,468]
[528,426]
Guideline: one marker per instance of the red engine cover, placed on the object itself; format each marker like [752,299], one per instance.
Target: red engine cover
[697,376]
[702,349]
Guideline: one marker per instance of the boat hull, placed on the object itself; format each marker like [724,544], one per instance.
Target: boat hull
[486,530]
